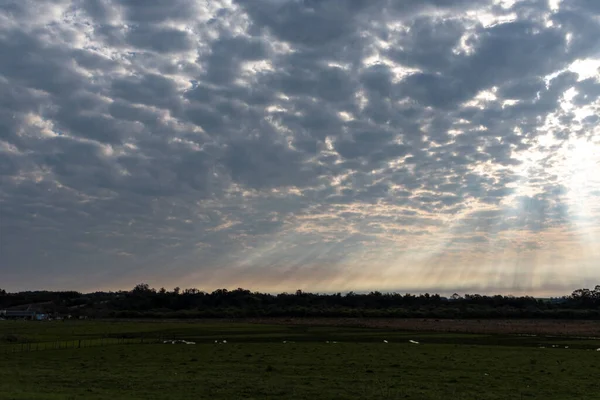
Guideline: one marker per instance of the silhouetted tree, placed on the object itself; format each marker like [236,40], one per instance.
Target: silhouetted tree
[144,301]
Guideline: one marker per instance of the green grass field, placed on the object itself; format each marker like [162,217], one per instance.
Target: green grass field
[256,364]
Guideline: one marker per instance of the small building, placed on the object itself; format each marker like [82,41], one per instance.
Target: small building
[23,314]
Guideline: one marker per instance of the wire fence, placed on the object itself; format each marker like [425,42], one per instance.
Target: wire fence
[72,344]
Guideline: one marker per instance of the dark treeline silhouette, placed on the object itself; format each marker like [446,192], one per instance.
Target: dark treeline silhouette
[145,302]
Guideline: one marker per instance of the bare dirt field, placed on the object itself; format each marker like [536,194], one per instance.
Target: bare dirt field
[583,328]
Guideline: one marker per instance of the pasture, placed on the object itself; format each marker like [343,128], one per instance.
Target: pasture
[128,360]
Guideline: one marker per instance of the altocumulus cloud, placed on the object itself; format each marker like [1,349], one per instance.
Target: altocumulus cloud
[325,145]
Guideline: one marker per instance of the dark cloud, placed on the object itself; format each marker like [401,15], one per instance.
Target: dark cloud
[162,40]
[223,63]
[150,89]
[141,12]
[308,23]
[427,43]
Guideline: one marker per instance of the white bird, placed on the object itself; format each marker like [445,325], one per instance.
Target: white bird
[224,341]
[413,341]
[385,341]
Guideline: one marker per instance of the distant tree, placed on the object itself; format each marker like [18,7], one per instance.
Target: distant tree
[142,287]
[143,301]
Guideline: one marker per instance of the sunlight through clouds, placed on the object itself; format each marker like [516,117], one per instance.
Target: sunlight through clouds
[582,166]
[276,145]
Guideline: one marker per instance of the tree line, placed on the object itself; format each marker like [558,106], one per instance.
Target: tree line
[146,302]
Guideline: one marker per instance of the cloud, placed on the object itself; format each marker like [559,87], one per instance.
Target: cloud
[326,145]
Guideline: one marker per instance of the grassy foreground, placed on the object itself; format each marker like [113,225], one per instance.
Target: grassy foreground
[256,364]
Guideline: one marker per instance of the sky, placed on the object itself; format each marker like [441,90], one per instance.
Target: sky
[324,145]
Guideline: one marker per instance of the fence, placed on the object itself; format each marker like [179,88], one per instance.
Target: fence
[72,344]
